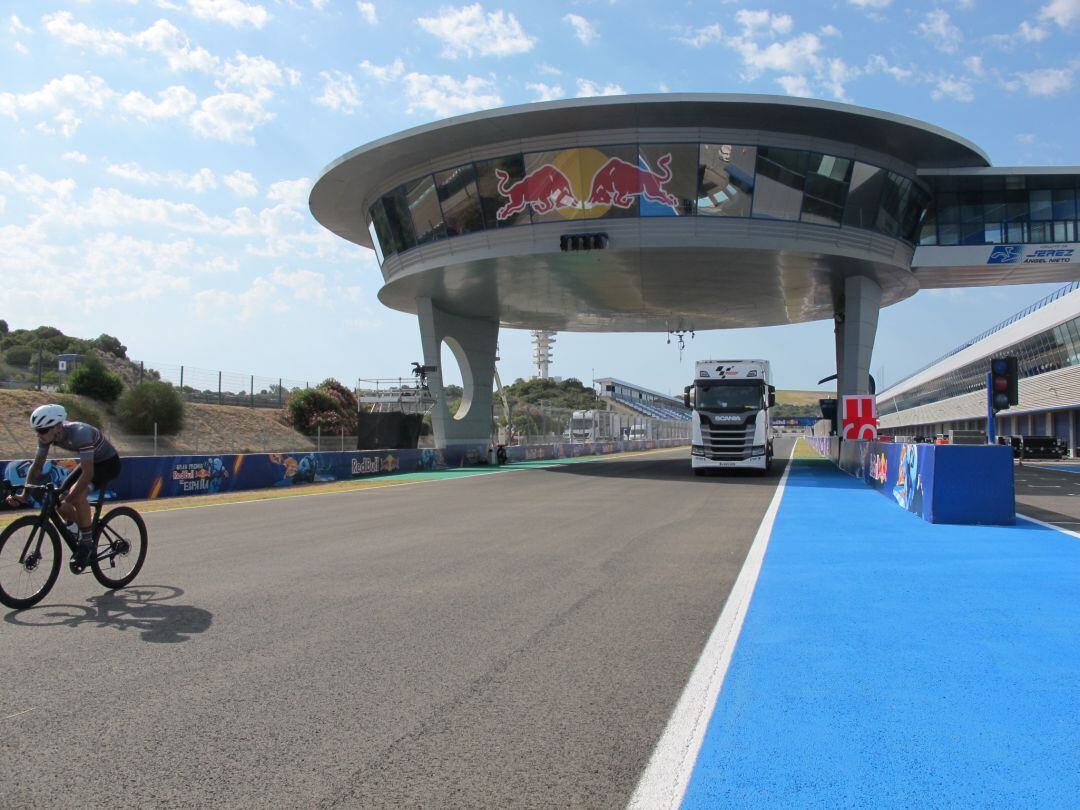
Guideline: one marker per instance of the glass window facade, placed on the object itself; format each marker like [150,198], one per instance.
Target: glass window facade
[672,179]
[1001,216]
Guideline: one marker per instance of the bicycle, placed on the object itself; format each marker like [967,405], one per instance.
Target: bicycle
[30,548]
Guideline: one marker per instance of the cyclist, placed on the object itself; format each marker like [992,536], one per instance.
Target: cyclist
[99,463]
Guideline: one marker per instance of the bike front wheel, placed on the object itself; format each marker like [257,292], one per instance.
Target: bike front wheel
[29,562]
[121,547]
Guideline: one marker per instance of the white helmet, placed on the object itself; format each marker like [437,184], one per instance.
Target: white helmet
[47,416]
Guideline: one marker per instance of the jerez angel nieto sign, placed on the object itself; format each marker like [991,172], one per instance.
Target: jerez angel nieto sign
[616,183]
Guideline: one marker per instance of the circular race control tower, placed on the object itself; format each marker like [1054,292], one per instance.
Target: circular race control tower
[640,213]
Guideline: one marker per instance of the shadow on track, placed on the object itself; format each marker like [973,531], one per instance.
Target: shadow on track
[144,608]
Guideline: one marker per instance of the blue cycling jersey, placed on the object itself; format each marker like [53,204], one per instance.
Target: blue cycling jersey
[86,440]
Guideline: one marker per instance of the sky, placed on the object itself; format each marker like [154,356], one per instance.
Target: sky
[156,156]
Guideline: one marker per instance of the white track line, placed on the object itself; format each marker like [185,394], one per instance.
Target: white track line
[1048,525]
[666,777]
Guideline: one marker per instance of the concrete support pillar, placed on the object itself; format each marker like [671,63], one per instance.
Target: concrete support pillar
[856,328]
[473,342]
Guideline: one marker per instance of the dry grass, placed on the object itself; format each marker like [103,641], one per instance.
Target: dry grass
[802,397]
[207,428]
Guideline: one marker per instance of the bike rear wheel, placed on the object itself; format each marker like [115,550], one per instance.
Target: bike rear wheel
[121,547]
[29,562]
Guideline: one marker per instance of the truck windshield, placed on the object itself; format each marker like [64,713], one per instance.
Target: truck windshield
[729,396]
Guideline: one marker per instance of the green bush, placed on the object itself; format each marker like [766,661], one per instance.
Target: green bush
[92,379]
[19,356]
[149,402]
[312,408]
[78,411]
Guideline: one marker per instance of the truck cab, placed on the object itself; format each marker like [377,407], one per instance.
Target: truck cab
[730,421]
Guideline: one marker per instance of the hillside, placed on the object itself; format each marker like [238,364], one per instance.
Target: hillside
[207,428]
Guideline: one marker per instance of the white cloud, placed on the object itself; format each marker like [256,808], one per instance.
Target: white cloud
[62,98]
[339,92]
[757,22]
[241,183]
[62,26]
[367,11]
[384,73]
[874,4]
[75,157]
[1061,12]
[584,30]
[290,192]
[166,39]
[16,27]
[879,64]
[703,36]
[445,95]
[795,86]
[951,87]
[200,181]
[229,117]
[1025,137]
[1031,33]
[587,88]
[937,28]
[548,70]
[974,65]
[1047,83]
[231,12]
[545,92]
[174,102]
[468,30]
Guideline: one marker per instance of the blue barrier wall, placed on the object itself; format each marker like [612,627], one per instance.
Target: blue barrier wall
[943,483]
[145,477]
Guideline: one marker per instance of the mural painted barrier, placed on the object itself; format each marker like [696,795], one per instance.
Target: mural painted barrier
[942,483]
[148,477]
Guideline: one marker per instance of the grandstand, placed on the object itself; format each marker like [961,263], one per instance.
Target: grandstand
[643,401]
[950,393]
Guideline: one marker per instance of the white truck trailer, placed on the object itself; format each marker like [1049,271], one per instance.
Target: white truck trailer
[730,421]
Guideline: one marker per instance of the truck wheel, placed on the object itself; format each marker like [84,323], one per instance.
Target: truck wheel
[699,471]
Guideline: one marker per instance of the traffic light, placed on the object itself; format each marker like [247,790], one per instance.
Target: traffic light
[1004,383]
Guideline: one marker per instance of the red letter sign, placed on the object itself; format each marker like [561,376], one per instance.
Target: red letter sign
[859,417]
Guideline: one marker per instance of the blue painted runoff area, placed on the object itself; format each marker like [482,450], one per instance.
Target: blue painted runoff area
[889,662]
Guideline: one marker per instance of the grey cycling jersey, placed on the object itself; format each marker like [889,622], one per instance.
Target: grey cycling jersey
[84,439]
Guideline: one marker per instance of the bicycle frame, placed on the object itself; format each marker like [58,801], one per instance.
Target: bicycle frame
[49,513]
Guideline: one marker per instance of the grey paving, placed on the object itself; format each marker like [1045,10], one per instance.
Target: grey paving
[511,640]
[1049,493]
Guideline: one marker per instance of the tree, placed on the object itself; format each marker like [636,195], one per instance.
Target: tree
[19,356]
[3,327]
[92,379]
[149,403]
[110,345]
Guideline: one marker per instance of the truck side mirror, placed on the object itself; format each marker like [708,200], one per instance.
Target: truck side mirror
[772,395]
[686,396]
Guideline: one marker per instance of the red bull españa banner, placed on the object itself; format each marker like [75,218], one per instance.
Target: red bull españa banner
[586,183]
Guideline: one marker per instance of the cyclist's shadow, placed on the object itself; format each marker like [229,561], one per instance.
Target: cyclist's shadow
[143,607]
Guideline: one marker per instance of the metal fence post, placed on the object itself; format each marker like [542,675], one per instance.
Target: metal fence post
[318,438]
[219,388]
[142,369]
[279,392]
[181,378]
[251,390]
[155,438]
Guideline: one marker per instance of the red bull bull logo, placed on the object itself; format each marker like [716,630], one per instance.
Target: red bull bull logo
[567,186]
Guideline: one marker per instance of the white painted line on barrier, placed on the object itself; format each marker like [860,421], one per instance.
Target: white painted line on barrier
[1049,525]
[666,777]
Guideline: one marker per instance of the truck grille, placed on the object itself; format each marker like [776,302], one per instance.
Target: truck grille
[727,441]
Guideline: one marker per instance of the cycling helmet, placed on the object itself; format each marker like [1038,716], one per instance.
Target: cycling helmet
[47,416]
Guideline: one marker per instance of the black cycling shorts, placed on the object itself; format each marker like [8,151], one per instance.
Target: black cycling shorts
[104,472]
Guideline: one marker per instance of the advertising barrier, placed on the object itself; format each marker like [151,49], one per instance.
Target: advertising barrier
[962,484]
[147,477]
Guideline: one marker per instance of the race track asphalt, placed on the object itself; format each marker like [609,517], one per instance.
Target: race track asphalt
[516,639]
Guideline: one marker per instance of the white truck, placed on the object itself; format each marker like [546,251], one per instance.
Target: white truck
[730,421]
